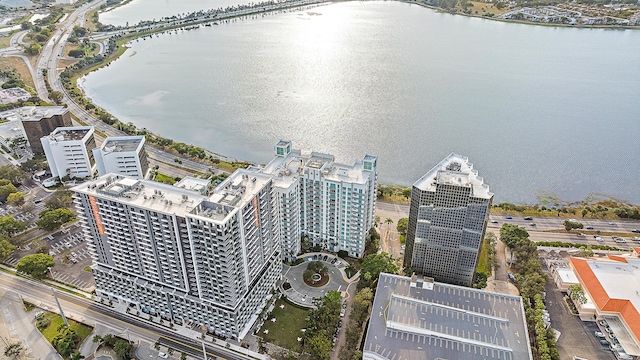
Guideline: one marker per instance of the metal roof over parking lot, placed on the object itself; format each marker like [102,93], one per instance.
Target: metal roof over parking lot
[421,319]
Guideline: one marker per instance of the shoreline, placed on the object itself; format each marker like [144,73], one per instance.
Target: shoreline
[124,42]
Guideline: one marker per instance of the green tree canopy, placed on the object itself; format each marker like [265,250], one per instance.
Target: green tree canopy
[318,267]
[12,173]
[15,199]
[6,249]
[570,225]
[60,199]
[52,219]
[35,265]
[510,234]
[10,226]
[402,225]
[6,188]
[372,266]
[320,347]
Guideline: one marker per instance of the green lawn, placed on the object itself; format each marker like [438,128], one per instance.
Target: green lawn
[285,331]
[165,179]
[482,261]
[52,330]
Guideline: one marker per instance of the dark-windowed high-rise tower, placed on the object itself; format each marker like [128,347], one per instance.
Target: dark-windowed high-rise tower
[447,220]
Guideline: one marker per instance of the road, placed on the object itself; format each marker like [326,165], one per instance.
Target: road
[48,60]
[92,313]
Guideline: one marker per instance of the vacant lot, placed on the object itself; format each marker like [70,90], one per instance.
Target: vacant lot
[9,62]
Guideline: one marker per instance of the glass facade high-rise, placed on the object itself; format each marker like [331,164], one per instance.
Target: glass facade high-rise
[447,221]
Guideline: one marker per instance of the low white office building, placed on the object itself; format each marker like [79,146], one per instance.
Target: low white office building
[124,155]
[69,151]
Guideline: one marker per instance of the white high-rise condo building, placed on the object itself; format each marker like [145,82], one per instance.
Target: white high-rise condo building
[69,151]
[331,203]
[124,155]
[447,221]
[209,261]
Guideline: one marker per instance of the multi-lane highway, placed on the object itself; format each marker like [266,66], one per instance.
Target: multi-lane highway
[93,313]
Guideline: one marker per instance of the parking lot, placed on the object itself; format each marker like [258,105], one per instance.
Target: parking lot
[577,338]
[67,245]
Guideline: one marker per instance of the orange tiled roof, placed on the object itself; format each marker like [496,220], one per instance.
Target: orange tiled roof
[617,258]
[600,297]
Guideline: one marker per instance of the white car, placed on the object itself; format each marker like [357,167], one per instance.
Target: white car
[163,355]
[599,334]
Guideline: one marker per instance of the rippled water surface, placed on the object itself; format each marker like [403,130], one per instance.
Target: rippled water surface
[537,109]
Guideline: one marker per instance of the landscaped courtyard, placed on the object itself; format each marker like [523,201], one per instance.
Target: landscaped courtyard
[285,331]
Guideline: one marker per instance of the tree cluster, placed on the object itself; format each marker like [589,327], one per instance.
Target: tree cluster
[321,326]
[120,346]
[372,242]
[530,280]
[36,265]
[570,225]
[372,266]
[354,329]
[572,245]
[66,341]
[53,219]
[315,267]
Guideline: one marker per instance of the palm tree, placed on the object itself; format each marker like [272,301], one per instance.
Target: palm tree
[76,356]
[388,222]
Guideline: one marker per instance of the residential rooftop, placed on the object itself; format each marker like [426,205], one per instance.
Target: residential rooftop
[454,170]
[121,144]
[422,319]
[148,194]
[232,194]
[70,133]
[286,169]
[193,184]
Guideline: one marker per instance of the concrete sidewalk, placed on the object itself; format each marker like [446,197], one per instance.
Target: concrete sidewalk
[17,325]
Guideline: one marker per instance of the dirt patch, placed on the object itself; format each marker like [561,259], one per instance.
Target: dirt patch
[5,41]
[10,62]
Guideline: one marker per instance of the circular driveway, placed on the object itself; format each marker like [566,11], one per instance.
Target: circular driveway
[303,294]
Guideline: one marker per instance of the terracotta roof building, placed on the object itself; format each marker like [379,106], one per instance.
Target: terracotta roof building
[612,289]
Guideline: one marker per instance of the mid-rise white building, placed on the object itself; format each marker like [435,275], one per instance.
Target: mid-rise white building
[69,151]
[172,252]
[124,155]
[331,203]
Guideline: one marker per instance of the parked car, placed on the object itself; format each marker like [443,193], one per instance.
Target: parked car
[334,260]
[599,334]
[494,221]
[163,355]
[324,258]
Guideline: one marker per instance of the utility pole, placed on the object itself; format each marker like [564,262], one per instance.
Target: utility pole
[204,351]
[64,318]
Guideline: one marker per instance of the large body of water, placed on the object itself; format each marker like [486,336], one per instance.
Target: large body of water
[536,109]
